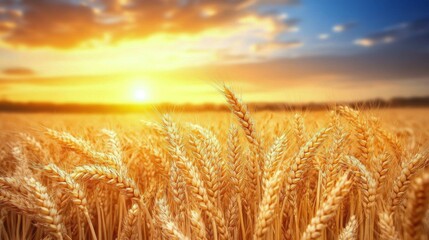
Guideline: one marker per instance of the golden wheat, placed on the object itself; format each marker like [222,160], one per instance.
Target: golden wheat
[338,174]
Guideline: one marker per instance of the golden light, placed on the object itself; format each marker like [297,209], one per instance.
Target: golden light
[141,95]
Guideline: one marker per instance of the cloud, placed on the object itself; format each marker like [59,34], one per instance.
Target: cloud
[74,23]
[395,33]
[18,71]
[323,36]
[344,27]
[276,46]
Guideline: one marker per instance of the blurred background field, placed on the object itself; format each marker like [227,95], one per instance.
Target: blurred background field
[411,123]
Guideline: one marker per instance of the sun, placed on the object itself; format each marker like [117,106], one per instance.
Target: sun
[140,95]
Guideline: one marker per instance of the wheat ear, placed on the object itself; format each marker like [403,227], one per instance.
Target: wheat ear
[299,128]
[402,182]
[367,183]
[350,231]
[34,146]
[328,209]
[273,158]
[130,222]
[115,150]
[301,160]
[178,189]
[11,201]
[192,177]
[381,171]
[108,176]
[197,225]
[417,205]
[334,159]
[77,194]
[208,170]
[362,131]
[45,209]
[237,180]
[240,110]
[268,205]
[169,228]
[78,146]
[387,227]
[22,168]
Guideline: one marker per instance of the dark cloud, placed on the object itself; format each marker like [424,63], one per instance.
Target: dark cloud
[290,2]
[373,66]
[413,29]
[72,23]
[344,27]
[18,71]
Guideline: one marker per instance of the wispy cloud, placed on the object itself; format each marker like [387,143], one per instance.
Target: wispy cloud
[395,33]
[344,27]
[323,36]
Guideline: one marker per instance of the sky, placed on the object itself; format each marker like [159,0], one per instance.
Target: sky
[181,51]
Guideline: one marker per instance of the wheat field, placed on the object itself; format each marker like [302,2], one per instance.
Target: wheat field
[342,173]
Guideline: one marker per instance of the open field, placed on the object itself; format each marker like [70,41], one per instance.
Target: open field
[393,119]
[334,174]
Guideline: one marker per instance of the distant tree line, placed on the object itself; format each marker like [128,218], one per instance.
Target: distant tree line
[8,106]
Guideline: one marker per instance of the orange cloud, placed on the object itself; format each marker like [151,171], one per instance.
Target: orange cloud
[75,23]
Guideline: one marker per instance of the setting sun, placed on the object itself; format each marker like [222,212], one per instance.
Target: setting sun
[140,95]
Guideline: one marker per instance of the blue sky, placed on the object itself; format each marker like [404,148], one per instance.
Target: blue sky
[319,17]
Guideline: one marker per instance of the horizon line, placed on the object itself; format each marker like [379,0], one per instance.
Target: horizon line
[51,107]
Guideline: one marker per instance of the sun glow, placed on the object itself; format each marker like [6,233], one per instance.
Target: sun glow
[140,95]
